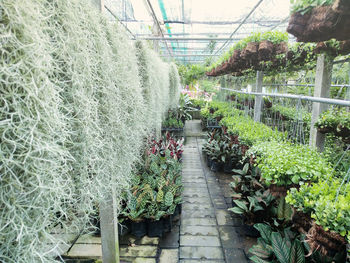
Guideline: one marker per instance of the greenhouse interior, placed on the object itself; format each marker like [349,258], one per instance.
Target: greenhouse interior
[175,131]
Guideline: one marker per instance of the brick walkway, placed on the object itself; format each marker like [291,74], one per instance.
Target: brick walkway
[208,232]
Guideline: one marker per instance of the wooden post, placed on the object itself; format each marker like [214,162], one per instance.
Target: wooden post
[322,88]
[258,98]
[109,230]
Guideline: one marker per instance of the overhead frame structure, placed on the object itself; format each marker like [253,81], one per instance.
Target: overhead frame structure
[195,31]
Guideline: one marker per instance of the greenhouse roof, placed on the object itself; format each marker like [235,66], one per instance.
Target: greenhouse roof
[193,31]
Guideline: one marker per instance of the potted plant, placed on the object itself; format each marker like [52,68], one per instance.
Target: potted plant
[135,211]
[327,203]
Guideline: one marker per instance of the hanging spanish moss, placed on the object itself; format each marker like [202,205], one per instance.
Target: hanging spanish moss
[72,119]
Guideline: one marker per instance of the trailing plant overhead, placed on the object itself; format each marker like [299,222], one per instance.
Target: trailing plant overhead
[270,52]
[73,119]
[319,20]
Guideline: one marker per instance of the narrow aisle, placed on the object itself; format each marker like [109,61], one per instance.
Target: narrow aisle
[208,233]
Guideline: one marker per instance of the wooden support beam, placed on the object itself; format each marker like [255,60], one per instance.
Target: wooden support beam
[258,98]
[322,88]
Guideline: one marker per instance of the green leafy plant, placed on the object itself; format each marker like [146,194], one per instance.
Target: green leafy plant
[172,123]
[328,203]
[304,6]
[291,113]
[250,132]
[284,163]
[184,108]
[156,183]
[275,37]
[282,247]
[336,121]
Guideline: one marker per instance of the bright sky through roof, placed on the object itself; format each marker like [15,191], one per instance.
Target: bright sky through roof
[269,14]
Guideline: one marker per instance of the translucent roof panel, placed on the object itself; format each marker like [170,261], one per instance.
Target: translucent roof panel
[193,30]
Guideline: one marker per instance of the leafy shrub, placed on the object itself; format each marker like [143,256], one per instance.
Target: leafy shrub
[198,103]
[284,163]
[328,202]
[249,131]
[172,123]
[335,120]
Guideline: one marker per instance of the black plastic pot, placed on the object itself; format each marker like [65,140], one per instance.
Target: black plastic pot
[155,228]
[209,161]
[215,166]
[168,223]
[250,231]
[228,167]
[139,229]
[178,210]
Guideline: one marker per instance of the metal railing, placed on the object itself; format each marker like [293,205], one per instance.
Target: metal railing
[301,97]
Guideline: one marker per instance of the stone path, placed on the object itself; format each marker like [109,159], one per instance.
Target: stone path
[208,233]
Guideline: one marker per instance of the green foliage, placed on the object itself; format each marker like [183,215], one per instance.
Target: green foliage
[275,37]
[184,108]
[284,163]
[172,123]
[328,201]
[190,74]
[335,120]
[304,6]
[249,131]
[207,85]
[291,113]
[198,103]
[157,189]
[282,247]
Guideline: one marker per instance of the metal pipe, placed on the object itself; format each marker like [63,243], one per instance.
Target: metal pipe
[290,96]
[193,55]
[211,22]
[190,38]
[220,22]
[304,85]
[153,14]
[342,61]
[190,34]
